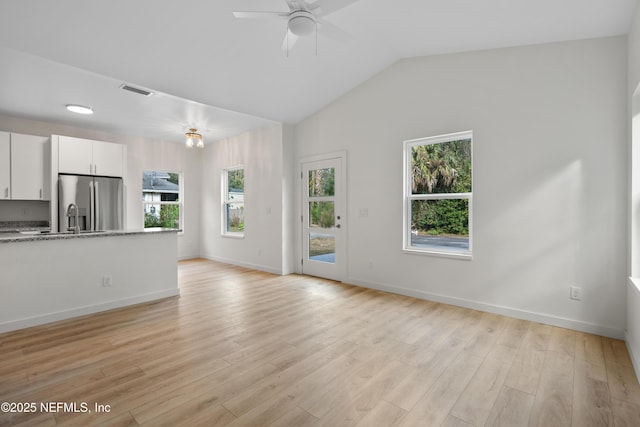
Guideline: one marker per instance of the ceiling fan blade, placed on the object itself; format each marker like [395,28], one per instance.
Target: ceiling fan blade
[325,7]
[289,41]
[260,15]
[293,5]
[333,32]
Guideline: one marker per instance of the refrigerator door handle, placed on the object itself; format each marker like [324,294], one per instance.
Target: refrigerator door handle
[93,188]
[96,213]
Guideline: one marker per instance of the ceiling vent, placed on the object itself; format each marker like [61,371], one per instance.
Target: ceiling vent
[135,90]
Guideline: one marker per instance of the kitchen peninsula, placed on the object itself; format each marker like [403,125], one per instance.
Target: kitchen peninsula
[56,276]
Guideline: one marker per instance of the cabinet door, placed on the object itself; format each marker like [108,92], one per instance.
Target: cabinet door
[75,155]
[27,167]
[107,159]
[5,165]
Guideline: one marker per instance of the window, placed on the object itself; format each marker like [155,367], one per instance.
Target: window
[438,196]
[233,201]
[162,199]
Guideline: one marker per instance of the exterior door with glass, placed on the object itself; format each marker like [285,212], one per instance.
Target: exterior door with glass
[323,218]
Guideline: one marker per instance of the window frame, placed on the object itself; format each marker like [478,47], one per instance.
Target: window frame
[408,197]
[179,203]
[226,201]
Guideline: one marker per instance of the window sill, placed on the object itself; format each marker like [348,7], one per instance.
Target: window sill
[465,256]
[233,236]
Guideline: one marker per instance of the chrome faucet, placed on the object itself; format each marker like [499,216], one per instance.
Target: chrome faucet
[74,207]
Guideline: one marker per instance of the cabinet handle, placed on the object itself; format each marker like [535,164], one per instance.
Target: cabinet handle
[6,193]
[41,193]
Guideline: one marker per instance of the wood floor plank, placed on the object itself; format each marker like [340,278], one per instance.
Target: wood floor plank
[384,414]
[615,351]
[512,408]
[193,415]
[623,383]
[416,384]
[452,421]
[591,397]
[272,383]
[433,408]
[209,390]
[563,341]
[554,396]
[351,411]
[625,414]
[241,347]
[526,370]
[477,400]
[295,418]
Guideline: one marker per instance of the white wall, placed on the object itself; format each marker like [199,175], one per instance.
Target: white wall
[288,209]
[61,287]
[633,296]
[142,154]
[550,175]
[261,153]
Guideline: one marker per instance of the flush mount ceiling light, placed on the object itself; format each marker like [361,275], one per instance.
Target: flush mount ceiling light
[194,138]
[80,109]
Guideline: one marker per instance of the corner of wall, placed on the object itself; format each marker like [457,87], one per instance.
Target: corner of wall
[288,176]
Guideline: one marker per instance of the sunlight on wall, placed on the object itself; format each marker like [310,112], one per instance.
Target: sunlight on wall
[544,222]
[635,184]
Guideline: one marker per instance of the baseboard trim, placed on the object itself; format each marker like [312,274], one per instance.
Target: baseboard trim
[497,309]
[82,311]
[635,357]
[258,267]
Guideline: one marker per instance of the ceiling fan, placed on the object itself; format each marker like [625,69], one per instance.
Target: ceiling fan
[304,18]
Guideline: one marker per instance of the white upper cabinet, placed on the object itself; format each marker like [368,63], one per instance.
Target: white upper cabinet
[22,167]
[75,155]
[5,165]
[88,157]
[108,159]
[27,167]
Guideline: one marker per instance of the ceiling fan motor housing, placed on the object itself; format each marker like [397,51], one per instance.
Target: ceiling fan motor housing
[302,23]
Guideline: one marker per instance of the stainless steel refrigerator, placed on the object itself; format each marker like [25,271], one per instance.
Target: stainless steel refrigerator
[99,201]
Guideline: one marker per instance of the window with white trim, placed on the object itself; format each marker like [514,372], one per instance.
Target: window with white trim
[162,199]
[438,195]
[233,201]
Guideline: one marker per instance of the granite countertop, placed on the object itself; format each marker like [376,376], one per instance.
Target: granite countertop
[32,235]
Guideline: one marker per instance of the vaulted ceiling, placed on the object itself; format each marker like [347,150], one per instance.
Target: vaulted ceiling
[226,75]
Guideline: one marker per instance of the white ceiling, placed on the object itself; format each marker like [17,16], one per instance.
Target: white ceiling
[227,75]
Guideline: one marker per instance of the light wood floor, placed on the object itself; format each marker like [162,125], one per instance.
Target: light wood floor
[246,348]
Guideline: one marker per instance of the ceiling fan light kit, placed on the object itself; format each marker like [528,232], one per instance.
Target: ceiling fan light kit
[193,138]
[302,23]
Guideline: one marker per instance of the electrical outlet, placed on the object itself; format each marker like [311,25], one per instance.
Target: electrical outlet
[107,280]
[576,293]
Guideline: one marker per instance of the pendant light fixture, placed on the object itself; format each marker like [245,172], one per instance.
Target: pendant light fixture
[194,138]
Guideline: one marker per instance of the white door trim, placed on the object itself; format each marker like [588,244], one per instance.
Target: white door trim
[341,254]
